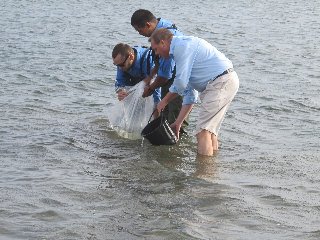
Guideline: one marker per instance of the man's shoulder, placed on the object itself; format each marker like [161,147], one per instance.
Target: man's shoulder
[183,45]
[141,48]
[184,39]
[164,23]
[141,51]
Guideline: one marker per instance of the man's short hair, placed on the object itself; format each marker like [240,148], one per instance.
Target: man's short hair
[141,17]
[161,34]
[122,49]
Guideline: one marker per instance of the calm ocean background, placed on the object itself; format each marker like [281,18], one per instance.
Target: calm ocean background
[65,174]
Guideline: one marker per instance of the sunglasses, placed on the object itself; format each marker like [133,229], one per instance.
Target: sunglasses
[123,63]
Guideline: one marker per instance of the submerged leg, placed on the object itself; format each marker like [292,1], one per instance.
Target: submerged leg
[207,143]
[215,143]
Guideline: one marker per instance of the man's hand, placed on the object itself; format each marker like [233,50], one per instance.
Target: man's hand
[176,129]
[122,94]
[147,91]
[158,82]
[147,80]
[161,105]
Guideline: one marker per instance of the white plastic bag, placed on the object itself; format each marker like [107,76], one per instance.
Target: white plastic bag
[129,116]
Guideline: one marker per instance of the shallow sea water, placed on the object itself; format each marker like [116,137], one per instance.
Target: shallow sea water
[65,174]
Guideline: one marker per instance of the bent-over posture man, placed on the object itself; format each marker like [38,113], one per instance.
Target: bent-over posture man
[200,68]
[133,66]
[145,23]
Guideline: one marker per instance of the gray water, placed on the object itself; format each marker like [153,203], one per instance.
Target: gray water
[65,174]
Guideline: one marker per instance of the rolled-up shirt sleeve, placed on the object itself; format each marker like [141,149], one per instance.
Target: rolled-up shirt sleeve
[190,95]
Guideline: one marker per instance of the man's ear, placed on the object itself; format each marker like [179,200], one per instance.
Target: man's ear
[131,55]
[163,43]
[148,24]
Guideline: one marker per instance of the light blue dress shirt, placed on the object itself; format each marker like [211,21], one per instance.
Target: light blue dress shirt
[197,63]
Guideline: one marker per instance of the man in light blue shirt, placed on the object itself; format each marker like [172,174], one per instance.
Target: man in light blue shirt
[200,68]
[145,23]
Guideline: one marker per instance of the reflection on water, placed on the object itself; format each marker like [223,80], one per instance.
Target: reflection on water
[125,134]
[206,167]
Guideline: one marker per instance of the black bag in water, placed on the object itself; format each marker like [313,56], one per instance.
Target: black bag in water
[158,132]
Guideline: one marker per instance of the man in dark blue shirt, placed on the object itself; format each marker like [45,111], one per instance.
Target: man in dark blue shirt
[145,23]
[133,66]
